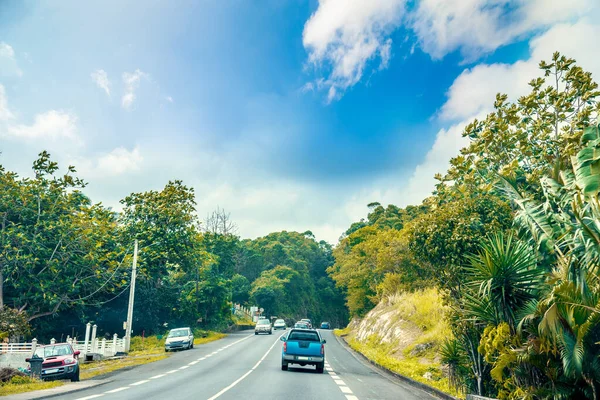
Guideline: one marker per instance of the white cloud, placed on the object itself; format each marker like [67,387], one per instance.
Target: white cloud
[476,27]
[345,34]
[51,125]
[475,89]
[473,93]
[5,113]
[8,62]
[132,82]
[100,77]
[117,162]
[169,99]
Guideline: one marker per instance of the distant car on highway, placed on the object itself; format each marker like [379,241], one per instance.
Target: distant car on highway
[308,321]
[303,347]
[60,362]
[279,324]
[302,325]
[179,339]
[325,325]
[263,326]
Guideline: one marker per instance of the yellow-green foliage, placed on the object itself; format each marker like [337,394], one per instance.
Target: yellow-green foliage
[426,311]
[90,370]
[20,384]
[420,311]
[209,337]
[411,367]
[148,343]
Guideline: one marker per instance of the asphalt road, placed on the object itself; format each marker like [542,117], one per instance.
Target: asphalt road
[245,366]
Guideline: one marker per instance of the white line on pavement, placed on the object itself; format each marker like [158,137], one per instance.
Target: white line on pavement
[171,371]
[246,374]
[90,397]
[139,382]
[118,389]
[203,358]
[351,397]
[193,362]
[345,389]
[340,382]
[158,376]
[184,367]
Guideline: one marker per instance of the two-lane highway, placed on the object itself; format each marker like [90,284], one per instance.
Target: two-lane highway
[247,366]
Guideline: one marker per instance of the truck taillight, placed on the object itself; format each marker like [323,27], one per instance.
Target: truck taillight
[285,347]
[322,349]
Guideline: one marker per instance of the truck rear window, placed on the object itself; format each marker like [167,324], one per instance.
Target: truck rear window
[306,336]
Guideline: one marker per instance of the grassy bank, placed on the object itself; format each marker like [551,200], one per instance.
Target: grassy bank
[22,384]
[403,334]
[143,351]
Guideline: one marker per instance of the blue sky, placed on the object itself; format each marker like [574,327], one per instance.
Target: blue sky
[290,114]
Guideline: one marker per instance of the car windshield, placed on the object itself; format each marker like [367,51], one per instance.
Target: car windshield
[301,325]
[178,333]
[280,321]
[306,336]
[263,322]
[51,351]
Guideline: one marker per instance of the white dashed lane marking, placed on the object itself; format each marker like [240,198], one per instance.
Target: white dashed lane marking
[341,384]
[118,389]
[171,371]
[184,367]
[94,396]
[139,382]
[158,376]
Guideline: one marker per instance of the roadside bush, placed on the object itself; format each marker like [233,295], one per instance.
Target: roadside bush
[148,343]
[21,380]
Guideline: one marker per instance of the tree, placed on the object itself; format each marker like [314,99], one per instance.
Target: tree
[58,249]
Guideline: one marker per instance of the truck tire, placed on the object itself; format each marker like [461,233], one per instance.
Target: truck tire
[320,368]
[284,366]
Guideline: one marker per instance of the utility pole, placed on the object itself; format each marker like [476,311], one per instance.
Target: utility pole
[131,298]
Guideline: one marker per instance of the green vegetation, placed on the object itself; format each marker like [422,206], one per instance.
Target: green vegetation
[511,239]
[190,273]
[414,351]
[93,369]
[19,384]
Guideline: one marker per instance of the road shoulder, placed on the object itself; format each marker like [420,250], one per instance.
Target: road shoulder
[391,375]
[57,391]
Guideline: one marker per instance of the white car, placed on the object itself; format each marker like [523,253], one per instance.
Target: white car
[179,339]
[263,326]
[279,324]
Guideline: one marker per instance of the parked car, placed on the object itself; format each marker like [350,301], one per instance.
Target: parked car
[279,324]
[263,326]
[60,362]
[179,339]
[303,347]
[325,325]
[308,321]
[301,325]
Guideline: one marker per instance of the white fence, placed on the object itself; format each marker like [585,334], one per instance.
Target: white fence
[92,345]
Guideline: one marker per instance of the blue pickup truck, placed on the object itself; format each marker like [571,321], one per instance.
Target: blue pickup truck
[303,347]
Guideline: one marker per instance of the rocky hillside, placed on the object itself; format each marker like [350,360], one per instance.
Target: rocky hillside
[403,333]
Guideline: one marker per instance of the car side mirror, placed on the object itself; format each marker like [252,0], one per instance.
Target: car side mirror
[76,353]
[323,341]
[282,338]
[27,359]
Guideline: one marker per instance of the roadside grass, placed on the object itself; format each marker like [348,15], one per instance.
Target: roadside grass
[420,311]
[239,320]
[210,337]
[22,384]
[93,369]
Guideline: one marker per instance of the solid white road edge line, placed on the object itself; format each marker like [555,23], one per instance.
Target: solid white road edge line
[158,376]
[91,397]
[118,389]
[193,362]
[171,371]
[216,396]
[184,367]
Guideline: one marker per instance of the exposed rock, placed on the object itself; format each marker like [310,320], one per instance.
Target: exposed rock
[428,375]
[420,349]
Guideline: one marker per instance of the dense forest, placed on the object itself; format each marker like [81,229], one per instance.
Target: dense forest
[66,261]
[511,238]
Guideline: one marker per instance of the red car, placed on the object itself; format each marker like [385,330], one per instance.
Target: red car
[60,362]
